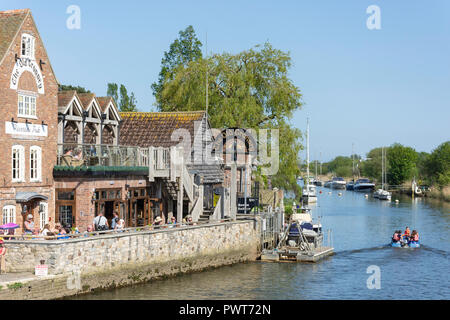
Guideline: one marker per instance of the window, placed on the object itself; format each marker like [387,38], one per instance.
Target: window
[27,106]
[43,214]
[18,164]
[9,214]
[35,164]
[27,46]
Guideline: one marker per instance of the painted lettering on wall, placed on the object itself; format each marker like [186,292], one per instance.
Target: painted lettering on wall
[23,65]
[26,129]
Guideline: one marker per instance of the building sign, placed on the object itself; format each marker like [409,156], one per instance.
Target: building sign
[23,65]
[251,203]
[26,129]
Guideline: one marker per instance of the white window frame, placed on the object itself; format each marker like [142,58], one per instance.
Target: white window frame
[27,44]
[9,214]
[35,164]
[19,152]
[43,214]
[26,106]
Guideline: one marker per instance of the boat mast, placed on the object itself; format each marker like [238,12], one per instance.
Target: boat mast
[307,152]
[353,162]
[382,168]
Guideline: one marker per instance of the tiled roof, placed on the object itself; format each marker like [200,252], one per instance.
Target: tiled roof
[155,129]
[104,102]
[86,99]
[10,23]
[64,97]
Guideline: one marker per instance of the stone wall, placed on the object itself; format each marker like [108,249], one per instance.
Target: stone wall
[77,266]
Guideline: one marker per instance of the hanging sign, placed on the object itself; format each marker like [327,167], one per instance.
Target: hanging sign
[23,65]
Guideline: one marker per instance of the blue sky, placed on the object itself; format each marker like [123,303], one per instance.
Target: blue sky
[361,86]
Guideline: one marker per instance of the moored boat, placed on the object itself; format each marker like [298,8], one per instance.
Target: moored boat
[338,183]
[364,185]
[350,186]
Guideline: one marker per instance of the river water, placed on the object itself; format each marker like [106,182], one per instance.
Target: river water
[361,231]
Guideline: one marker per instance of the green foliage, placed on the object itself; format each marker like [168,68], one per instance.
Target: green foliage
[126,103]
[78,89]
[182,51]
[371,168]
[250,89]
[438,165]
[402,163]
[15,286]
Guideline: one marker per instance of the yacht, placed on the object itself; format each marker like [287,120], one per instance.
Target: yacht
[350,185]
[381,193]
[309,190]
[338,183]
[364,185]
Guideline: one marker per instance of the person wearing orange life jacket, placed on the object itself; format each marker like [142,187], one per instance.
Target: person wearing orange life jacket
[406,234]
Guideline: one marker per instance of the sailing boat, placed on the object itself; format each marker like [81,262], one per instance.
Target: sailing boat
[309,190]
[381,193]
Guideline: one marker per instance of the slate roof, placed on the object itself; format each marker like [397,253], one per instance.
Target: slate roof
[10,23]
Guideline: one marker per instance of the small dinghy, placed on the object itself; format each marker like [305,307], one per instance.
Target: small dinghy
[405,241]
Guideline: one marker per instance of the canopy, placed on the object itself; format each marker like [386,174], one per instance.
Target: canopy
[22,197]
[9,226]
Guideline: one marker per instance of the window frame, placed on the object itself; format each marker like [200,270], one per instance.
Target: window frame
[32,40]
[43,215]
[28,109]
[20,171]
[37,167]
[5,214]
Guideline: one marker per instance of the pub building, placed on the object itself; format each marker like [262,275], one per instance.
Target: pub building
[28,122]
[67,156]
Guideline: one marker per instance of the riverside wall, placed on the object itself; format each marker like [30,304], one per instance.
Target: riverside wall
[82,265]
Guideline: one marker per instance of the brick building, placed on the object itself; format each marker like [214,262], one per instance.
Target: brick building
[28,125]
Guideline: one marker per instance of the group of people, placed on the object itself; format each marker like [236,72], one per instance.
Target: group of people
[100,223]
[407,236]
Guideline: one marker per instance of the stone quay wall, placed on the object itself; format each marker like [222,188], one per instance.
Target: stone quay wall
[85,264]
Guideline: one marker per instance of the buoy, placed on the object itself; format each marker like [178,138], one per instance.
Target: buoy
[366,195]
[340,194]
[397,201]
[329,192]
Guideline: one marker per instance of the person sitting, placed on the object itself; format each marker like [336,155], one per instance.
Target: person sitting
[158,221]
[397,236]
[414,236]
[406,234]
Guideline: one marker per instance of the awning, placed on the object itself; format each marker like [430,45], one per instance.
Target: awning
[22,197]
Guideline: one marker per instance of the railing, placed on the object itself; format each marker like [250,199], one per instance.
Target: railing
[82,235]
[89,155]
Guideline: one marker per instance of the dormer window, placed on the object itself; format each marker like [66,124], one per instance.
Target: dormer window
[27,49]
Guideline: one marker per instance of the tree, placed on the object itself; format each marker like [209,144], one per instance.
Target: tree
[113,91]
[402,163]
[183,50]
[126,103]
[250,89]
[371,168]
[78,89]
[438,165]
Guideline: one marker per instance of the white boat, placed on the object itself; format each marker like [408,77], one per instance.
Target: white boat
[338,183]
[363,185]
[309,194]
[381,193]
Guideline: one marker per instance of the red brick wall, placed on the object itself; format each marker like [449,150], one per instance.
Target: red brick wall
[84,189]
[47,112]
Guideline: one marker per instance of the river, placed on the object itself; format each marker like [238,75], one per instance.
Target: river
[361,231]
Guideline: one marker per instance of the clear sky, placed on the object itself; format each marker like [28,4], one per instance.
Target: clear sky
[361,86]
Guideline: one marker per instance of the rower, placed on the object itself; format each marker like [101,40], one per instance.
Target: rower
[406,234]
